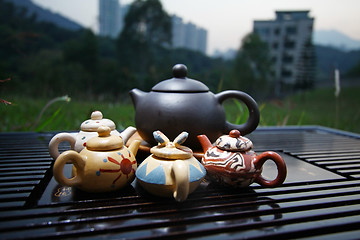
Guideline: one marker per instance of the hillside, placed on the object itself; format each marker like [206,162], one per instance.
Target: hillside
[335,39]
[43,15]
[328,58]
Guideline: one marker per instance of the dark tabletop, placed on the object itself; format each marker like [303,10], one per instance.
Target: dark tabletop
[319,199]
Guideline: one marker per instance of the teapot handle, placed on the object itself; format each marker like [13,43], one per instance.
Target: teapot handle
[254,114]
[280,164]
[56,140]
[181,174]
[79,164]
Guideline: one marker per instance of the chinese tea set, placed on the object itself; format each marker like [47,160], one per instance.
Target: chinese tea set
[181,109]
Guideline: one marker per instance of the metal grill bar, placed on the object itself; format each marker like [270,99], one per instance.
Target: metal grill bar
[308,208]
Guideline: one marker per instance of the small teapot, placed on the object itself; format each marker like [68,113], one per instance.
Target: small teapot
[171,170]
[88,130]
[104,165]
[184,104]
[232,162]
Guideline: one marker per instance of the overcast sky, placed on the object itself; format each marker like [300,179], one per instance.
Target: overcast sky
[228,21]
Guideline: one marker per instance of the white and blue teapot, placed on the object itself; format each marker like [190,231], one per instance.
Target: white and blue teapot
[171,170]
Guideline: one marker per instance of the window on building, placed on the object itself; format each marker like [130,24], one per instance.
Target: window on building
[289,45]
[262,31]
[287,16]
[275,45]
[277,31]
[286,73]
[291,30]
[287,58]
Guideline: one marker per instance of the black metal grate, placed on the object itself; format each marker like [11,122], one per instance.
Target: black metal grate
[320,198]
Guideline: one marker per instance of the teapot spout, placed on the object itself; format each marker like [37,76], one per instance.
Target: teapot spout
[127,133]
[136,95]
[205,142]
[134,146]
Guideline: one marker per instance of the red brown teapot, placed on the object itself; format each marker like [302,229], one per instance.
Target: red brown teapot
[232,162]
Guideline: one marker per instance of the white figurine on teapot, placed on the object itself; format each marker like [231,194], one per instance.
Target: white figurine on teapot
[88,130]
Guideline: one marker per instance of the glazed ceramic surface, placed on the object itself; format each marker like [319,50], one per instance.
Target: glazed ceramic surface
[184,104]
[88,130]
[171,170]
[104,165]
[232,162]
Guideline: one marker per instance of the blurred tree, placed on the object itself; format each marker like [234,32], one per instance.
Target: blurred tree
[44,60]
[84,50]
[146,21]
[146,32]
[201,67]
[23,41]
[112,84]
[51,77]
[354,71]
[252,67]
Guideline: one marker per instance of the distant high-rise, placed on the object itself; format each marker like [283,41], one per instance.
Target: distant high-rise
[178,32]
[289,37]
[202,40]
[184,35]
[188,35]
[110,18]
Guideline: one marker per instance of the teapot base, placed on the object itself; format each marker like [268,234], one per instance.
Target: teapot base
[228,181]
[166,191]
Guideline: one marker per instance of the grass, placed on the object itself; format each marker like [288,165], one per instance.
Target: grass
[23,113]
[316,107]
[320,107]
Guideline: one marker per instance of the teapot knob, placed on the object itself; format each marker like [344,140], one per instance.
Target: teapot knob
[104,131]
[235,133]
[96,115]
[180,71]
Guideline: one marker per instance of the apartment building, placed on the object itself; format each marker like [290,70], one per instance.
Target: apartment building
[188,35]
[110,18]
[289,37]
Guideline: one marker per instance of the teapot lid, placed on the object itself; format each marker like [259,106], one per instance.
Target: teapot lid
[180,83]
[171,150]
[234,142]
[104,141]
[95,122]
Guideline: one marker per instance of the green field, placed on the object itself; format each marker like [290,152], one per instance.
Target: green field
[316,107]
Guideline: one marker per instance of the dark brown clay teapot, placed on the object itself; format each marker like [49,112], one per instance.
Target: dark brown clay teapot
[183,104]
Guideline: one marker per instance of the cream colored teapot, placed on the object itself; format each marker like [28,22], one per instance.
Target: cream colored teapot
[171,170]
[88,130]
[104,165]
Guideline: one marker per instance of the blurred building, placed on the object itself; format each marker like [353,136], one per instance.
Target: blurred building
[289,37]
[111,17]
[202,40]
[184,35]
[188,35]
[178,32]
